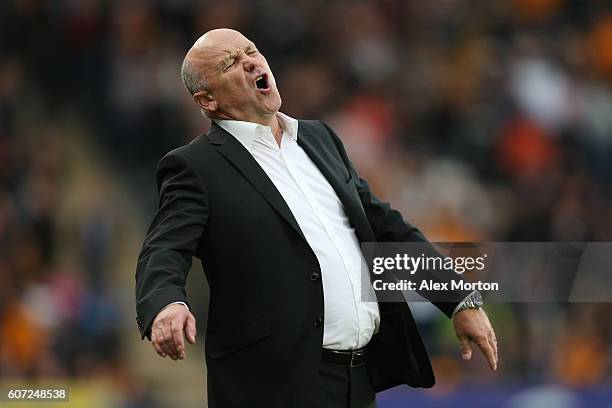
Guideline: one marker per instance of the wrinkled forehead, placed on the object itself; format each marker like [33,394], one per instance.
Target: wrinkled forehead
[218,50]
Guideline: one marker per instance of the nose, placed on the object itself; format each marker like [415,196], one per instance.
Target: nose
[249,64]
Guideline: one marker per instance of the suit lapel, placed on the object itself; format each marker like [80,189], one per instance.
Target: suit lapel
[316,152]
[333,170]
[236,154]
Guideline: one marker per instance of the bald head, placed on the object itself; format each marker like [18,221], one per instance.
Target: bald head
[216,37]
[200,56]
[230,79]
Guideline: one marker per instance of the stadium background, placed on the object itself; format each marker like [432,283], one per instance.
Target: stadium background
[480,120]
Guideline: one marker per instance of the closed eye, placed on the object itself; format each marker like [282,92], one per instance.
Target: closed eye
[232,61]
[229,65]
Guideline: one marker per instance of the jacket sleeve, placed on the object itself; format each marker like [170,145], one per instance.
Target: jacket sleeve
[389,226]
[171,240]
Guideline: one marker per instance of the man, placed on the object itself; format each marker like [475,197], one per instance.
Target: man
[276,212]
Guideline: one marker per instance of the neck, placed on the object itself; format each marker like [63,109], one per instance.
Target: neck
[276,130]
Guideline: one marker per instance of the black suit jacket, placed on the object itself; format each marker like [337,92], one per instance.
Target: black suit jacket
[265,329]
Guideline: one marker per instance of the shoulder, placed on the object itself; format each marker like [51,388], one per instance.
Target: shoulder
[196,155]
[319,127]
[323,133]
[313,125]
[187,158]
[191,151]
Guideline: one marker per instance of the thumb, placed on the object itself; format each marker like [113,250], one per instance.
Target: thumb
[190,329]
[466,349]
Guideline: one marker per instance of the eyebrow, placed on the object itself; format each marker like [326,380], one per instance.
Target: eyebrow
[234,54]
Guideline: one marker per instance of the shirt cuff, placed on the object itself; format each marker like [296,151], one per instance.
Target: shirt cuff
[176,303]
[460,303]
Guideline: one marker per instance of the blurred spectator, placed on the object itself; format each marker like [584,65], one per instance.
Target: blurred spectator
[480,120]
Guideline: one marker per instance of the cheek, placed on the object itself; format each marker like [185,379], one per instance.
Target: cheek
[237,94]
[234,87]
[238,83]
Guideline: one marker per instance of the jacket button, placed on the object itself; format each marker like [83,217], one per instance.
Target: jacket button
[318,321]
[315,276]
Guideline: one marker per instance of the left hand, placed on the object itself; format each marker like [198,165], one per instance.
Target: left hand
[472,325]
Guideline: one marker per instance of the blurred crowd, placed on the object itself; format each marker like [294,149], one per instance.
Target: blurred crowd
[480,120]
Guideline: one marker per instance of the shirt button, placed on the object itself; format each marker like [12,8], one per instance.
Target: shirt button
[315,276]
[318,321]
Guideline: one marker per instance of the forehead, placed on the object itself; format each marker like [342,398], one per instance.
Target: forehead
[222,48]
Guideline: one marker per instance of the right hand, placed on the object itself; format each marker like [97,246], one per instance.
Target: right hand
[167,331]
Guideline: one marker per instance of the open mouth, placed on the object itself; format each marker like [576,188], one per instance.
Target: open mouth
[261,82]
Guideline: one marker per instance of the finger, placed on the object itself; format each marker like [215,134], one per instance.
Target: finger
[166,349]
[166,343]
[177,337]
[169,337]
[158,350]
[190,329]
[493,343]
[161,343]
[466,349]
[156,346]
[488,352]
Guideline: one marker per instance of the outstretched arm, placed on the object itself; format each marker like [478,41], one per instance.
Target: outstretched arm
[165,258]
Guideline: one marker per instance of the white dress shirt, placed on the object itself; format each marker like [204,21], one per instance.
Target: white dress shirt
[349,323]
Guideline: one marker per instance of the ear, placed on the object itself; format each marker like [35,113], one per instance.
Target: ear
[205,101]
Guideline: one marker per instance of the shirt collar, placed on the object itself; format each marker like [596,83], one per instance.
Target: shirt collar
[246,132]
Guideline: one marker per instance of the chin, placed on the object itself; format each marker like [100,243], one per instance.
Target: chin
[273,106]
[270,104]
[278,103]
[277,107]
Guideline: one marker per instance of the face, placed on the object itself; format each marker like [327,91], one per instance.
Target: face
[240,83]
